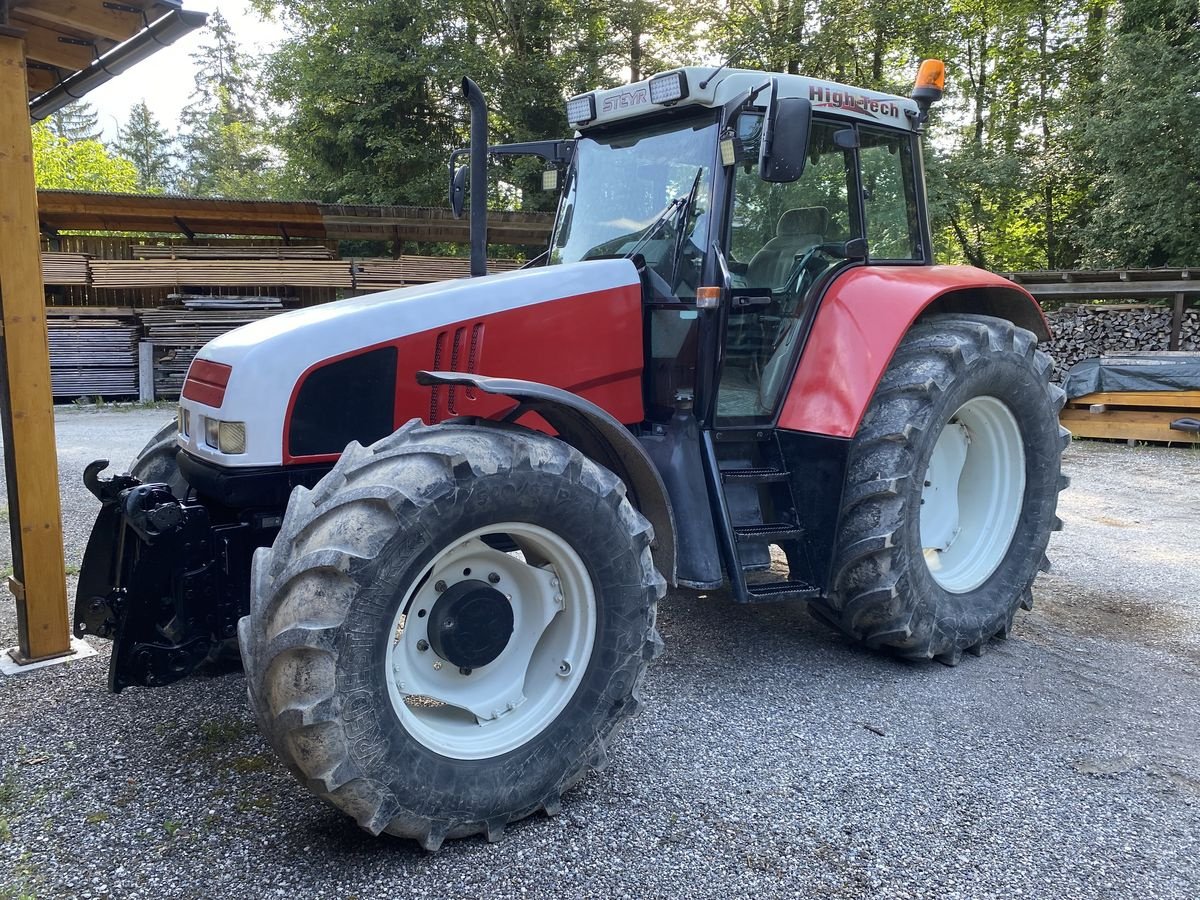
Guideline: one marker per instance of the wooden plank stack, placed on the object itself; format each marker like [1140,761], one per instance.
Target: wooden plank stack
[177,251]
[64,269]
[132,273]
[1132,415]
[93,357]
[384,274]
[178,334]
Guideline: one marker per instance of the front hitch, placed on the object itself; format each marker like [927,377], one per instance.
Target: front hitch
[154,580]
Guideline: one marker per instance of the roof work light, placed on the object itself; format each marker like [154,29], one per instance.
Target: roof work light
[581,109]
[669,88]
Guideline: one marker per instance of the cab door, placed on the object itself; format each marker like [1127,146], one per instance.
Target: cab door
[786,241]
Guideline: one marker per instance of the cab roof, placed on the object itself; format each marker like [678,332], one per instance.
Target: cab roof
[632,100]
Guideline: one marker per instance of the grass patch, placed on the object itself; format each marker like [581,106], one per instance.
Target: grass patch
[244,765]
[221,733]
[5,831]
[249,804]
[171,827]
[8,788]
[96,818]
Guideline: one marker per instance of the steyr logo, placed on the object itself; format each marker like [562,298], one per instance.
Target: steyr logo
[626,99]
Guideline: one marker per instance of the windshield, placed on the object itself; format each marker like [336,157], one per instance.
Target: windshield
[630,192]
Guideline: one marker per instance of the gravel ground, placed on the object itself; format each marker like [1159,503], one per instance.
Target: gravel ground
[773,759]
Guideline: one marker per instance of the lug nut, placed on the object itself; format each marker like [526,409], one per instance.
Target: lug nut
[437,665]
[494,578]
[440,586]
[464,670]
[422,645]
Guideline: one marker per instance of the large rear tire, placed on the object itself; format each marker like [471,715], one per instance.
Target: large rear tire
[450,628]
[951,490]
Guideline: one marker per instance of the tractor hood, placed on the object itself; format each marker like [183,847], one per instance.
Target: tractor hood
[575,326]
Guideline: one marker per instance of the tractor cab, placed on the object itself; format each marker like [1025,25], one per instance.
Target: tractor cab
[740,197]
[744,193]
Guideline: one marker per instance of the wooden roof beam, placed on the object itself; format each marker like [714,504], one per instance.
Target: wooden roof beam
[114,21]
[55,48]
[41,80]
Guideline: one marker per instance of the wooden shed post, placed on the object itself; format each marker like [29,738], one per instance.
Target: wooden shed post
[26,403]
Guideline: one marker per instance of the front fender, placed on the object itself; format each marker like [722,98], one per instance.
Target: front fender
[863,317]
[594,433]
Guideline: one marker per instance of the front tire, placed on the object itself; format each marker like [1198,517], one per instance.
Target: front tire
[362,673]
[951,489]
[156,463]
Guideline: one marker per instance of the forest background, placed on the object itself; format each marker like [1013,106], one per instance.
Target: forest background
[1069,137]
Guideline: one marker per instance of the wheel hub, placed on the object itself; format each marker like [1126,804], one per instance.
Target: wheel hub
[470,624]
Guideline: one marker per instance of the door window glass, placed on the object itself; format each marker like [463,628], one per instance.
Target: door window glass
[776,235]
[889,195]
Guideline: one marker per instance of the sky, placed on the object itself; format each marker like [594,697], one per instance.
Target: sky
[165,80]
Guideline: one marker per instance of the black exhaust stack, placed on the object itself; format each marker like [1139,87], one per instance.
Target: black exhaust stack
[479,153]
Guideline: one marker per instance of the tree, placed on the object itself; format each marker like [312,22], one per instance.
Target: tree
[146,144]
[87,165]
[1141,141]
[225,145]
[76,121]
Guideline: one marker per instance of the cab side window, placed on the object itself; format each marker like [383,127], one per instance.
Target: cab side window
[773,224]
[889,195]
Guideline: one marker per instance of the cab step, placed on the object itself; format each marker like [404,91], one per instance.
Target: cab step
[767,475]
[773,591]
[771,533]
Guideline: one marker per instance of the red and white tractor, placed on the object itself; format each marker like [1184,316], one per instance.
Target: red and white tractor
[439,520]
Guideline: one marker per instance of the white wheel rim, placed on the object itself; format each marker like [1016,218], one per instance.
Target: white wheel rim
[974,488]
[506,703]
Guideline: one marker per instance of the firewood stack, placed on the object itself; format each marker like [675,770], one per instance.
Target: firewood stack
[1084,332]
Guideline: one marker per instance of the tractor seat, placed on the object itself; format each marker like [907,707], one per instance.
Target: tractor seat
[798,230]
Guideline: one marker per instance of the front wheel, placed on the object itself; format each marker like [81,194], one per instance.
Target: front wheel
[951,489]
[450,627]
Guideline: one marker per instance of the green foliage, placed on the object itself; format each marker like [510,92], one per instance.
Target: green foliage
[1067,135]
[76,121]
[85,165]
[1143,142]
[226,146]
[146,144]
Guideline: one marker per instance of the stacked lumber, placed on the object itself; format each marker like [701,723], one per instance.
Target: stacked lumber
[229,301]
[290,251]
[383,274]
[137,273]
[178,334]
[1132,415]
[64,268]
[93,357]
[1085,332]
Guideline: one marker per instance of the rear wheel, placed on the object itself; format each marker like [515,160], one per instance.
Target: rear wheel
[450,628]
[952,485]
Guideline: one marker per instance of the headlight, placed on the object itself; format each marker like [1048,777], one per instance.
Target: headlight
[228,437]
[232,437]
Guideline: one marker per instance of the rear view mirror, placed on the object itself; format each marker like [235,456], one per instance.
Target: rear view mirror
[458,190]
[784,145]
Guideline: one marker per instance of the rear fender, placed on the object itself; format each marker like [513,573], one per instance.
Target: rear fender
[863,317]
[594,433]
